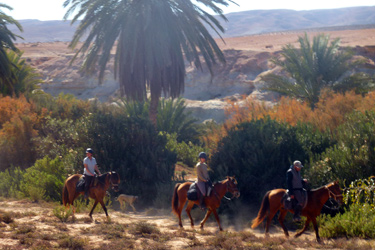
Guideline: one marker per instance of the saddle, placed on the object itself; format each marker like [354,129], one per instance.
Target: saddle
[290,203]
[80,187]
[192,193]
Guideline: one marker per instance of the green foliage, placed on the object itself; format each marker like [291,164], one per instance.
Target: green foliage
[26,77]
[133,148]
[62,213]
[357,221]
[173,118]
[186,152]
[10,182]
[44,180]
[63,138]
[311,68]
[258,153]
[361,192]
[7,78]
[353,157]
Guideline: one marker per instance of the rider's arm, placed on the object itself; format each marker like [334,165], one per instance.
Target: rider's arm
[97,169]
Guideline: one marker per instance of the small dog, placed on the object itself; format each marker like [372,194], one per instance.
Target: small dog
[123,199]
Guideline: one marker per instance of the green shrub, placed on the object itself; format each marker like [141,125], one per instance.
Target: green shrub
[361,191]
[186,152]
[62,213]
[133,148]
[44,180]
[353,157]
[258,154]
[357,221]
[10,182]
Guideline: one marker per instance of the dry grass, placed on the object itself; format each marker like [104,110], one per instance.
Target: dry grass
[29,230]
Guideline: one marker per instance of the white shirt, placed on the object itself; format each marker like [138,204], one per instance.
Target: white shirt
[90,165]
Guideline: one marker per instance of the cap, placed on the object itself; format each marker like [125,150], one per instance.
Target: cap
[297,164]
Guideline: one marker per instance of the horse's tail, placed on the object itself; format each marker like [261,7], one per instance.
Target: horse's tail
[262,211]
[65,196]
[175,199]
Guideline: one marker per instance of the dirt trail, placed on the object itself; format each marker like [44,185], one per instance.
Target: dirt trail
[36,227]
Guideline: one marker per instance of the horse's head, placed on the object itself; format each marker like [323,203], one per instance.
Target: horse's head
[335,191]
[114,179]
[232,186]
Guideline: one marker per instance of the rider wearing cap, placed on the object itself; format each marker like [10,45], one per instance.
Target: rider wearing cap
[203,178]
[89,171]
[295,185]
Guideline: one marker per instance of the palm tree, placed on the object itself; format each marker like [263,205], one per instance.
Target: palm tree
[310,68]
[27,79]
[7,79]
[152,38]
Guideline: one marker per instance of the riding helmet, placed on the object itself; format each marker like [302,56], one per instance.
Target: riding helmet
[203,155]
[89,150]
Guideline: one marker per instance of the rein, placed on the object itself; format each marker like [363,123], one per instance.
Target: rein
[332,194]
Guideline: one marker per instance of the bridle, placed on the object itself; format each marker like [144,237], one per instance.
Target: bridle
[114,186]
[332,194]
[228,190]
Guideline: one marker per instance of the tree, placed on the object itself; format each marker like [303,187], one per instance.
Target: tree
[311,68]
[152,38]
[26,78]
[6,43]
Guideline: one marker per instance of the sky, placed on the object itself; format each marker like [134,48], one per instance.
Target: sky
[53,9]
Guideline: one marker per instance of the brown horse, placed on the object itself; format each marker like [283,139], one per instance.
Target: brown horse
[272,202]
[98,192]
[212,202]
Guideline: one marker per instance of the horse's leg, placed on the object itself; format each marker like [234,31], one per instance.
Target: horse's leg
[189,206]
[206,217]
[270,216]
[304,227]
[217,219]
[316,229]
[180,207]
[104,208]
[93,207]
[282,215]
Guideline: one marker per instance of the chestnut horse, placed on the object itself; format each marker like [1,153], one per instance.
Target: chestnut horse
[272,202]
[98,192]
[212,202]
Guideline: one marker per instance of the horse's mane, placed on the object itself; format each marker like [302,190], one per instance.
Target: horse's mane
[102,177]
[324,186]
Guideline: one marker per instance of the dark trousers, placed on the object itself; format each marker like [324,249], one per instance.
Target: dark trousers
[88,180]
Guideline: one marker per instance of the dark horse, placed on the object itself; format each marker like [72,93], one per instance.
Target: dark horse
[98,192]
[212,202]
[272,202]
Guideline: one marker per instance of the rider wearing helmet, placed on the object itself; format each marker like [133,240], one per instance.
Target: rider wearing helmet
[203,178]
[295,185]
[89,171]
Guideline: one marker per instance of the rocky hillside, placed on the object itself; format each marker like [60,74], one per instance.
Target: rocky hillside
[239,23]
[247,59]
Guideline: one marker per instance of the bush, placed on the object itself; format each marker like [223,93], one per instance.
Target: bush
[258,154]
[357,221]
[10,182]
[353,157]
[133,148]
[44,180]
[187,153]
[62,213]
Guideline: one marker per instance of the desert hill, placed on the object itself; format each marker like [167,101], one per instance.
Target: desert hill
[247,58]
[239,23]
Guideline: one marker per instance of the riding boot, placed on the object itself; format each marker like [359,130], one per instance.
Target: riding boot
[297,213]
[201,202]
[87,186]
